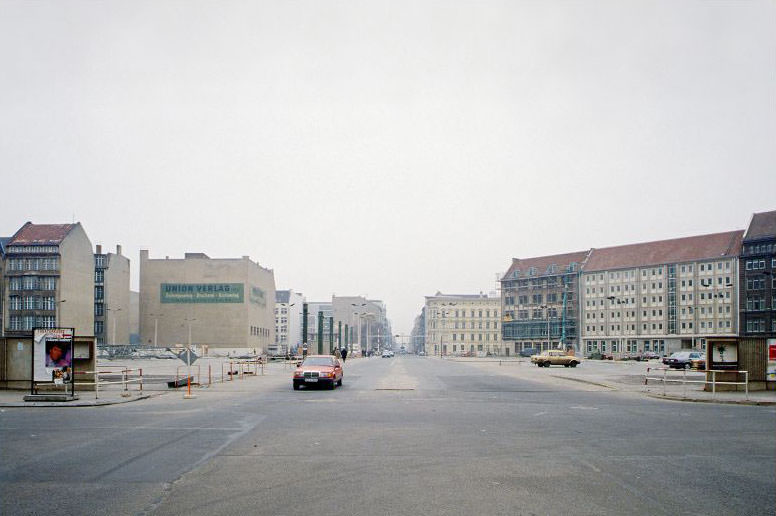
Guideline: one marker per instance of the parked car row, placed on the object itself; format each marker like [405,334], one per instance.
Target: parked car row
[686,359]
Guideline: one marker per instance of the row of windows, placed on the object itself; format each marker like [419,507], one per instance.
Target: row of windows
[462,313]
[31,303]
[759,249]
[33,249]
[759,325]
[631,346]
[754,265]
[32,283]
[259,332]
[33,264]
[471,337]
[28,322]
[686,325]
[759,303]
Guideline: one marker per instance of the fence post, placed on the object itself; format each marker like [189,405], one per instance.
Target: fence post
[713,384]
[141,380]
[209,375]
[96,384]
[684,382]
[231,367]
[665,372]
[746,384]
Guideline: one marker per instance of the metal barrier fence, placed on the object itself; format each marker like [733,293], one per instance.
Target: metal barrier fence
[684,380]
[128,377]
[229,370]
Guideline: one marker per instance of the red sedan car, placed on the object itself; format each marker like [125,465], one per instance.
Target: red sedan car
[318,370]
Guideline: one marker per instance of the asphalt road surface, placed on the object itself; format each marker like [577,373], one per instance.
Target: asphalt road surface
[406,435]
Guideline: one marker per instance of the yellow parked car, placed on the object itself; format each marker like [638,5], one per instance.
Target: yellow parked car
[555,357]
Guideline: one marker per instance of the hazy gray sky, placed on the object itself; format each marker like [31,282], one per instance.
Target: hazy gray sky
[393,148]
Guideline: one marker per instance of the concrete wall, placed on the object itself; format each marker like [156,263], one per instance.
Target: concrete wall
[76,283]
[216,325]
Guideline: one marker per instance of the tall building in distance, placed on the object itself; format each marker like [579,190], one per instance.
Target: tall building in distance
[418,333]
[288,322]
[111,297]
[49,279]
[226,305]
[758,277]
[539,297]
[367,323]
[463,324]
[660,296]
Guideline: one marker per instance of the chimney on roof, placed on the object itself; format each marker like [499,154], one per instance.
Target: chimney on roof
[118,249]
[99,249]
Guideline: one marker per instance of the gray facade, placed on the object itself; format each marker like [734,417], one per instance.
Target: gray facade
[226,304]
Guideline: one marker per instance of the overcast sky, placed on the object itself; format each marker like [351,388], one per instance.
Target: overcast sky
[389,149]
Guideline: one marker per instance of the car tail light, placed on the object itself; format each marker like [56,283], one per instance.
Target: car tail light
[298,374]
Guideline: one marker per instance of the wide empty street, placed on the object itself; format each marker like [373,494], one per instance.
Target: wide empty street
[405,435]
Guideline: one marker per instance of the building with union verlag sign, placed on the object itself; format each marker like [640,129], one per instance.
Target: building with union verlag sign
[227,304]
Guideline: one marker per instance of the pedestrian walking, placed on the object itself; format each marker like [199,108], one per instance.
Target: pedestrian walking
[344,354]
[337,353]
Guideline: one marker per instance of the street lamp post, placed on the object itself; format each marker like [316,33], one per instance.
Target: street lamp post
[113,333]
[156,327]
[547,311]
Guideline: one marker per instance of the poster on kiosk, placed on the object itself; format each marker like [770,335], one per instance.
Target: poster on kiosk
[53,355]
[770,371]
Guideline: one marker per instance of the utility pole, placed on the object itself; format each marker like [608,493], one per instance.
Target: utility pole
[331,334]
[320,332]
[304,326]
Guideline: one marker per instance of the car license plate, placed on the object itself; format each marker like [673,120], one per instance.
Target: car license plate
[311,379]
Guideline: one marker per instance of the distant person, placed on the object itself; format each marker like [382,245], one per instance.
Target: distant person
[337,353]
[344,354]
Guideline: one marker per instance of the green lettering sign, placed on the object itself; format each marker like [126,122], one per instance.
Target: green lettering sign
[201,293]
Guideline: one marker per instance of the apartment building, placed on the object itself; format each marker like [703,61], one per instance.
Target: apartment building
[49,270]
[757,302]
[111,297]
[660,296]
[225,304]
[539,299]
[3,243]
[463,324]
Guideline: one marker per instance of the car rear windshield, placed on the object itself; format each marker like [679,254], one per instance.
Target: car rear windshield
[318,361]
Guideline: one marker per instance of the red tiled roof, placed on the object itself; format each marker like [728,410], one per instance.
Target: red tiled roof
[542,262]
[763,225]
[677,250]
[41,234]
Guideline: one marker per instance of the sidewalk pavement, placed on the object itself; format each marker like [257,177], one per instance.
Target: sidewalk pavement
[14,398]
[626,377]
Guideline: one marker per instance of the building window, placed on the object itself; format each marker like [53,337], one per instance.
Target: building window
[99,309]
[99,276]
[99,327]
[99,293]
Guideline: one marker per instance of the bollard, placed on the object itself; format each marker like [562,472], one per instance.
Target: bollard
[231,370]
[209,376]
[141,380]
[96,384]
